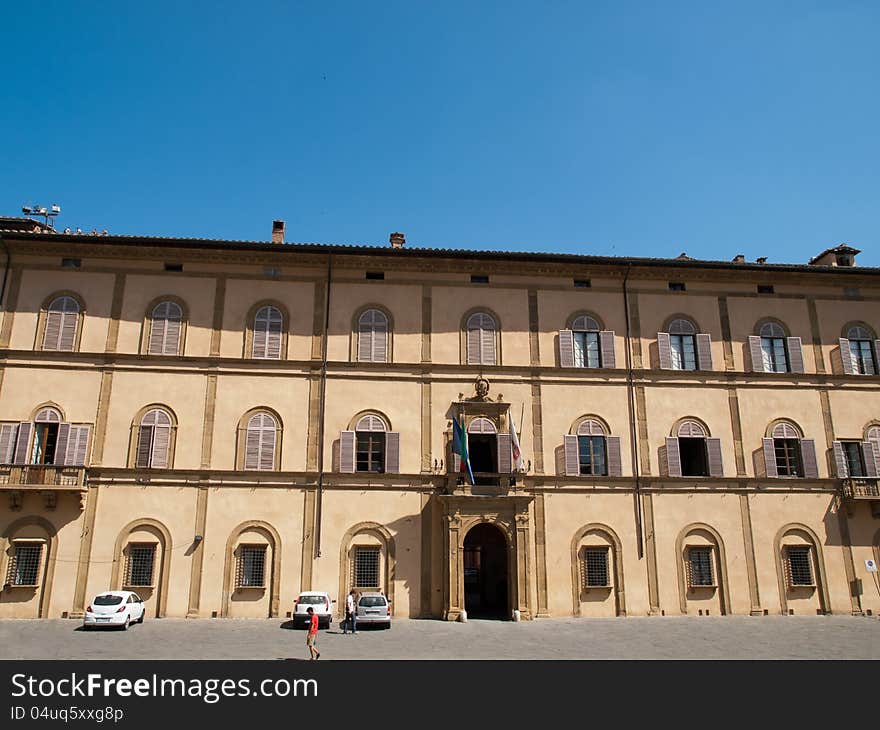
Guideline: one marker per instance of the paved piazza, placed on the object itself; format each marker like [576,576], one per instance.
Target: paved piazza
[738,637]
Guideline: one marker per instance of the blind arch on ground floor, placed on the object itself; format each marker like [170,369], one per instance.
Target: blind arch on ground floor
[273,539]
[616,549]
[49,536]
[801,534]
[383,536]
[714,539]
[163,535]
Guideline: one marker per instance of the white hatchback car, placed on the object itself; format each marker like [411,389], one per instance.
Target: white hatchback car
[321,604]
[114,608]
[374,608]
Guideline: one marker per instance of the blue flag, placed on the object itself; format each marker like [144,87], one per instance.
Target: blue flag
[459,446]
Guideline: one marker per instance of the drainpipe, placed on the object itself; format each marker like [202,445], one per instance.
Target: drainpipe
[5,270]
[321,401]
[633,442]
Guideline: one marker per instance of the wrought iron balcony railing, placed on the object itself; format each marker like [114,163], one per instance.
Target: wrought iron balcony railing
[72,477]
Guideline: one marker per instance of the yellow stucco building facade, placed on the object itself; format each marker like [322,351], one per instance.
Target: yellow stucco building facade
[219,425]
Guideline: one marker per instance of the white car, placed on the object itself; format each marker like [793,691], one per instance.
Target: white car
[321,604]
[114,608]
[374,608]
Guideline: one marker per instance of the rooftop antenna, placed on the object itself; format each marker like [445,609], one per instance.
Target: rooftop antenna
[46,213]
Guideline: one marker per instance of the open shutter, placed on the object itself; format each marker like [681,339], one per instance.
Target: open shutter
[572,461]
[77,446]
[346,452]
[846,356]
[7,442]
[612,446]
[267,444]
[144,447]
[61,444]
[673,457]
[756,354]
[795,354]
[704,352]
[504,453]
[392,452]
[52,336]
[870,457]
[606,348]
[770,469]
[808,457]
[161,443]
[713,449]
[840,461]
[25,429]
[566,348]
[665,350]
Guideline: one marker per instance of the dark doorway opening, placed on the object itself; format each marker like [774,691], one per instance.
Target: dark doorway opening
[694,462]
[482,449]
[485,573]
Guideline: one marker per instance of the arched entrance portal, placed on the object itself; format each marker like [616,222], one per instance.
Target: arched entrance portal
[485,572]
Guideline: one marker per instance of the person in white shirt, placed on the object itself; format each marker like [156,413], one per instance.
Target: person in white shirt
[350,613]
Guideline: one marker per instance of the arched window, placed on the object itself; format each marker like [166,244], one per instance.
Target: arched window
[774,354]
[585,334]
[683,345]
[165,326]
[788,454]
[268,325]
[154,440]
[62,318]
[260,442]
[372,336]
[481,333]
[370,447]
[691,453]
[48,432]
[592,451]
[860,346]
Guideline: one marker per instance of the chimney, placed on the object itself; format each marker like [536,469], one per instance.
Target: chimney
[398,240]
[739,259]
[277,231]
[761,260]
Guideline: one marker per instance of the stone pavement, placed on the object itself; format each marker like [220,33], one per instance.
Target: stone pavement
[734,637]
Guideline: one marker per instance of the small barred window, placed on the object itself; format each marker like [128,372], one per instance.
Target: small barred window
[595,568]
[365,568]
[251,571]
[799,566]
[139,566]
[699,565]
[24,565]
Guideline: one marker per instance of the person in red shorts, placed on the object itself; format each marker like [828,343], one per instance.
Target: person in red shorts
[313,634]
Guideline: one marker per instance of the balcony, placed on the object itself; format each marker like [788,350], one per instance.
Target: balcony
[857,490]
[489,484]
[46,479]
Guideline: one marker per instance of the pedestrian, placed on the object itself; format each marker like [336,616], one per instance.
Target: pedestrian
[350,613]
[313,634]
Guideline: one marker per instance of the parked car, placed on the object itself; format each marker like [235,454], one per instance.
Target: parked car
[114,608]
[320,602]
[374,608]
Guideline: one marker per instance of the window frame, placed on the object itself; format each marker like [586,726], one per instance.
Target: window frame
[247,548]
[586,572]
[251,329]
[465,336]
[788,550]
[692,569]
[129,564]
[43,317]
[356,551]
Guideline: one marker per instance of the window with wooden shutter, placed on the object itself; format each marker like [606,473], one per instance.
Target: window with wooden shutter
[566,348]
[571,463]
[673,457]
[606,349]
[505,465]
[713,453]
[77,446]
[251,569]
[773,350]
[268,326]
[260,442]
[858,352]
[704,352]
[795,354]
[372,336]
[154,440]
[62,318]
[786,446]
[481,333]
[681,341]
[165,326]
[139,564]
[587,351]
[808,457]
[392,452]
[23,442]
[8,433]
[347,452]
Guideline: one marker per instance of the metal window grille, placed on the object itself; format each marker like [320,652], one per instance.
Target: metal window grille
[251,571]
[591,455]
[24,565]
[699,564]
[139,566]
[365,568]
[595,568]
[788,457]
[800,567]
[370,451]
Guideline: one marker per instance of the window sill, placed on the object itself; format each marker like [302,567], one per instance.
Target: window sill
[711,586]
[132,586]
[811,586]
[597,588]
[250,588]
[21,585]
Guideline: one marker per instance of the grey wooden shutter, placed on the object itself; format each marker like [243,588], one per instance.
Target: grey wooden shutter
[77,446]
[770,469]
[846,356]
[713,449]
[161,444]
[612,447]
[840,461]
[61,444]
[704,351]
[392,452]
[252,447]
[274,327]
[380,337]
[487,343]
[566,348]
[165,329]
[473,346]
[808,458]
[22,453]
[665,350]
[454,461]
[144,447]
[346,452]
[258,344]
[673,457]
[871,466]
[267,443]
[795,354]
[606,349]
[157,332]
[69,319]
[572,460]
[7,442]
[757,355]
[504,454]
[52,335]
[365,338]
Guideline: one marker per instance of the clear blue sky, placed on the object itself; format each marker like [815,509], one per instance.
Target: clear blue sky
[619,128]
